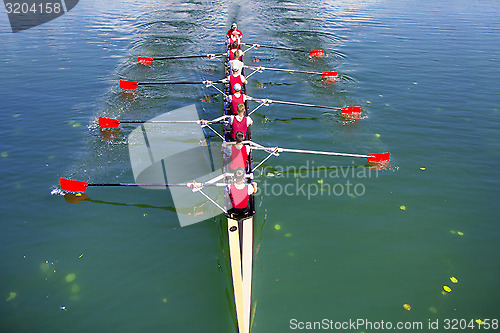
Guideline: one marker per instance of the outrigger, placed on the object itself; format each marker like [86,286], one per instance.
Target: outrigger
[239,227]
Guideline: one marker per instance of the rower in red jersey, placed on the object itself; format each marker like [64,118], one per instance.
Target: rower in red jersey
[234,34]
[240,123]
[238,152]
[240,193]
[237,98]
[234,53]
[234,78]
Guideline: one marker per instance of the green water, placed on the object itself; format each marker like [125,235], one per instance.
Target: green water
[425,75]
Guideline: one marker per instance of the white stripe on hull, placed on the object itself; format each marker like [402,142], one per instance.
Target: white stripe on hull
[241,270]
[247,254]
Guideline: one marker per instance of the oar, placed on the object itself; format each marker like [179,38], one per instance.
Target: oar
[113,123]
[312,53]
[124,84]
[79,186]
[149,60]
[345,109]
[325,75]
[373,158]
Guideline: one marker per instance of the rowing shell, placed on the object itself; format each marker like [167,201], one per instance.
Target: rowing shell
[240,234]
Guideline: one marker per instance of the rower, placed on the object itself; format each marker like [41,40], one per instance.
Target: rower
[234,78]
[238,152]
[234,53]
[240,123]
[240,193]
[234,34]
[237,98]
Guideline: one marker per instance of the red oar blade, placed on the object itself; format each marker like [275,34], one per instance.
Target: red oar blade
[316,53]
[73,185]
[128,84]
[145,60]
[108,122]
[350,110]
[379,157]
[330,75]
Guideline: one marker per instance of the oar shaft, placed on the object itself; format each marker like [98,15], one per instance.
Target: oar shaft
[285,150]
[157,184]
[283,70]
[178,82]
[277,47]
[191,56]
[160,121]
[302,151]
[301,104]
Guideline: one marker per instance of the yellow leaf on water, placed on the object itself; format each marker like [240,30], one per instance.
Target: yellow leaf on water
[70,277]
[447,289]
[12,295]
[422,169]
[402,207]
[277,227]
[460,233]
[407,307]
[453,279]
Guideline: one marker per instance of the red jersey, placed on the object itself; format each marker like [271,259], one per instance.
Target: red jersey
[231,55]
[239,126]
[235,101]
[239,157]
[233,80]
[239,197]
[230,33]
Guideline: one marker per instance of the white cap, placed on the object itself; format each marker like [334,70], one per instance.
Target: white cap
[234,26]
[237,87]
[236,64]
